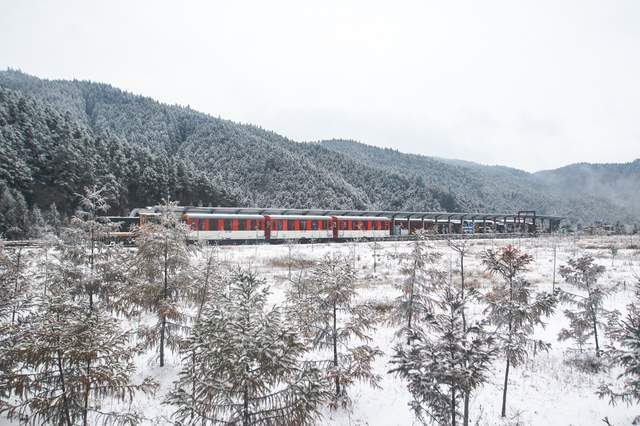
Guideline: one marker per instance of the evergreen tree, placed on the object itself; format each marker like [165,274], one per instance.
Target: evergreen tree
[446,363]
[70,354]
[583,274]
[161,279]
[337,323]
[626,333]
[414,305]
[512,307]
[68,360]
[243,364]
[53,219]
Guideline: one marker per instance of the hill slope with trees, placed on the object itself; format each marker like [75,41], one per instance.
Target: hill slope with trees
[57,137]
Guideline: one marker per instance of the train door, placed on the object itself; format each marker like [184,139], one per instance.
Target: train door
[267,228]
[334,226]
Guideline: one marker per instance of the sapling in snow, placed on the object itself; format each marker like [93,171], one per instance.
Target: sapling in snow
[513,308]
[341,326]
[161,278]
[626,354]
[70,354]
[446,361]
[243,364]
[586,298]
[419,281]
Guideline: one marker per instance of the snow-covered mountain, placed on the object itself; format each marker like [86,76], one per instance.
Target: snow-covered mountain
[145,150]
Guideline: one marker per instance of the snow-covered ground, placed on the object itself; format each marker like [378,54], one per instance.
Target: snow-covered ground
[544,391]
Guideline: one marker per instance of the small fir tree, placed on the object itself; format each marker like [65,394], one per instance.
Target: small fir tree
[626,354]
[161,279]
[446,363]
[587,301]
[243,364]
[337,323]
[414,305]
[512,307]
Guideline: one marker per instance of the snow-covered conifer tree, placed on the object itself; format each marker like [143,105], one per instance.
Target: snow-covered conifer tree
[414,305]
[583,274]
[243,364]
[161,278]
[338,322]
[512,306]
[626,333]
[70,354]
[446,361]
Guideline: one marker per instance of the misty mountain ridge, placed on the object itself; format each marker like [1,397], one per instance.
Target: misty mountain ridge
[168,146]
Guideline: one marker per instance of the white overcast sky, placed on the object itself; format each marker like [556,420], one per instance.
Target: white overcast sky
[529,84]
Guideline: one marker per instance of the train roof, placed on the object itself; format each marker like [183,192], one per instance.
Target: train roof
[363,218]
[196,215]
[298,216]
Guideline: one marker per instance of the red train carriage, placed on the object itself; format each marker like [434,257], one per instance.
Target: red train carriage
[214,226]
[298,227]
[349,227]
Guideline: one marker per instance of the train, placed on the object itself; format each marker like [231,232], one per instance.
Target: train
[237,224]
[222,227]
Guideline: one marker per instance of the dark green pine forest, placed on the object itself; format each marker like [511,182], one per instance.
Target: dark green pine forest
[57,137]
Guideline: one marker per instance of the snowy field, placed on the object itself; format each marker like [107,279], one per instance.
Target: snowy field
[544,391]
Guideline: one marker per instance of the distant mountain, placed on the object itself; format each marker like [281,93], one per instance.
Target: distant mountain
[477,187]
[617,183]
[58,136]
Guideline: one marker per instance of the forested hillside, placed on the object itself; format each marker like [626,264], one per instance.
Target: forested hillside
[497,188]
[58,136]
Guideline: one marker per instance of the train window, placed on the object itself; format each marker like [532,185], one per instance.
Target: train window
[213,224]
[260,225]
[321,224]
[291,225]
[280,225]
[227,224]
[201,223]
[241,225]
[314,225]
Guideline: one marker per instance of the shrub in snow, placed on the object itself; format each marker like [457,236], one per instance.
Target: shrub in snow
[242,364]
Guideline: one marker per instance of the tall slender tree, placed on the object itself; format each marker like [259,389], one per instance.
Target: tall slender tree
[161,279]
[512,306]
[341,327]
[415,303]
